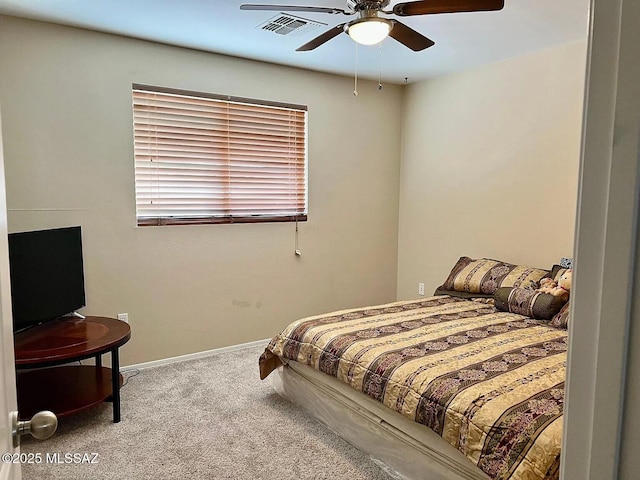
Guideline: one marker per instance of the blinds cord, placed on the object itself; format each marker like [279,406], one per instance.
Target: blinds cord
[297,251]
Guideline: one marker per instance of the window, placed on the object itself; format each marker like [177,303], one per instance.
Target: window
[203,158]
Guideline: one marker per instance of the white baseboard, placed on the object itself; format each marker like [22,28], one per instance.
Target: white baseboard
[193,356]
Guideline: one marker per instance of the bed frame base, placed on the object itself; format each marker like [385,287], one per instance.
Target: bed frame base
[405,449]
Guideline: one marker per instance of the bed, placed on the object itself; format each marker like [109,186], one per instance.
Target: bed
[442,387]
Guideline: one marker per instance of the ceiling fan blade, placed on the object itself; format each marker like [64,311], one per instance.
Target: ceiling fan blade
[409,37]
[426,7]
[294,8]
[319,40]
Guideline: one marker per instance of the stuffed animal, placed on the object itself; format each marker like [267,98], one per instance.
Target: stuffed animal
[560,289]
[546,285]
[564,282]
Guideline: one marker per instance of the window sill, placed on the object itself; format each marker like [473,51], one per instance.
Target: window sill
[156,222]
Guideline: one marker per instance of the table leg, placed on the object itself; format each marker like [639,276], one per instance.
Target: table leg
[115,384]
[98,361]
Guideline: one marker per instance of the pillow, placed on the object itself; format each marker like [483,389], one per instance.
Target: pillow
[556,272]
[486,276]
[528,302]
[561,319]
[468,295]
[566,262]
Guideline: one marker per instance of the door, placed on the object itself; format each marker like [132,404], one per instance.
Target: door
[8,403]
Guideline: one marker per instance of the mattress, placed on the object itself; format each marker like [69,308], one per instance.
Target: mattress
[489,383]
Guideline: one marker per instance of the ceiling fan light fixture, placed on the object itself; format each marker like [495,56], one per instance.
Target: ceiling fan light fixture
[369,31]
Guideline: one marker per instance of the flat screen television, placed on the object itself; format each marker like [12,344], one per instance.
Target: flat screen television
[47,275]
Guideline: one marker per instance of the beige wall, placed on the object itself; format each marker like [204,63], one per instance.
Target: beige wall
[66,107]
[493,151]
[490,165]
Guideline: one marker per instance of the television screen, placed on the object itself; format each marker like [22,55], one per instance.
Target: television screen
[47,277]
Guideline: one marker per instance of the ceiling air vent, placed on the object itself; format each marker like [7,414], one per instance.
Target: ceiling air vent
[284,24]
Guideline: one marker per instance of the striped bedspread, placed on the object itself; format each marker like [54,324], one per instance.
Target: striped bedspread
[490,383]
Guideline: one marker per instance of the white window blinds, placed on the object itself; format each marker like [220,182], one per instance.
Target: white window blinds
[205,159]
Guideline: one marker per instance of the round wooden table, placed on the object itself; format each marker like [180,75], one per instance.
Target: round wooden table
[66,389]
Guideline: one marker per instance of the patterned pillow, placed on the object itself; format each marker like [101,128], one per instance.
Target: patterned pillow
[528,302]
[566,262]
[467,295]
[561,319]
[486,276]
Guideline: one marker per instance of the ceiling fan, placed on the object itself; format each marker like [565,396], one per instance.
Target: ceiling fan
[369,28]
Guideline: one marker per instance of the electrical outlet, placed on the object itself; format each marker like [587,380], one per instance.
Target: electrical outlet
[124,317]
[421,289]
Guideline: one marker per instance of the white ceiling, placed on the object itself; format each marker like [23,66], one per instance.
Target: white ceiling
[463,40]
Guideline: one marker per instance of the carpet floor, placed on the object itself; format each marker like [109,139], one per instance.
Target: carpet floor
[210,418]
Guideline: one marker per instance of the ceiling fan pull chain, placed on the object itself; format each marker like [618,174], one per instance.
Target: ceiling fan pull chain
[380,66]
[355,80]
